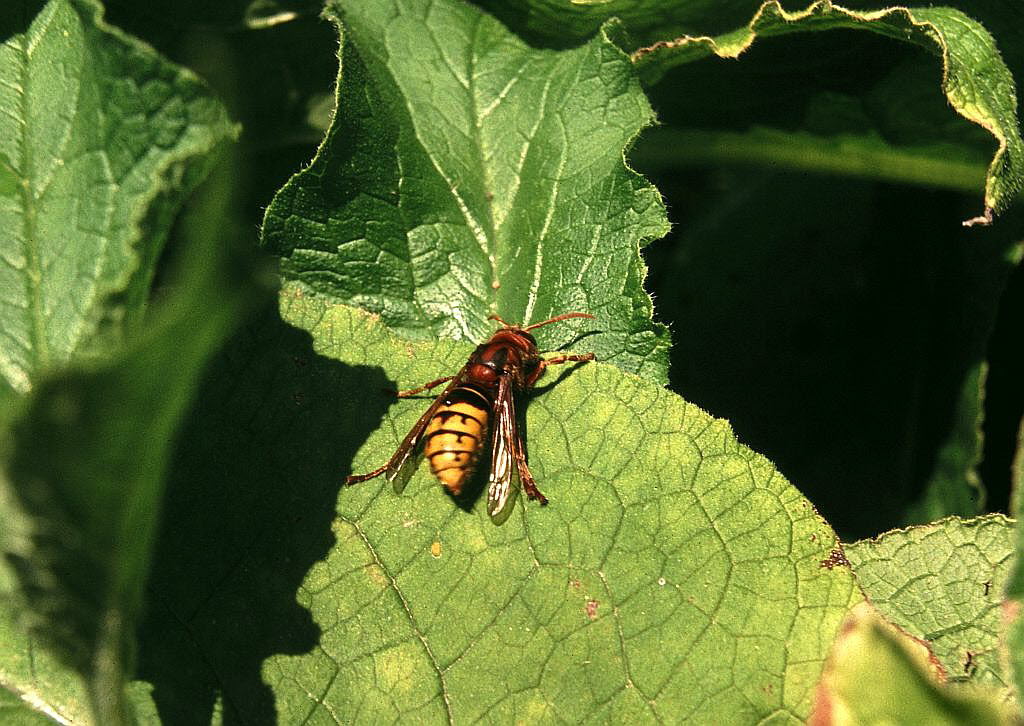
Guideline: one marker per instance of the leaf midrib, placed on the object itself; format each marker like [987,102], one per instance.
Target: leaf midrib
[40,347]
[487,181]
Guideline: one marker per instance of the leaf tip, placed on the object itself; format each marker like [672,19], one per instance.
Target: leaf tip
[982,220]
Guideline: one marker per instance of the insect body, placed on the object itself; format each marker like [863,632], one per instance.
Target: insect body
[454,436]
[478,408]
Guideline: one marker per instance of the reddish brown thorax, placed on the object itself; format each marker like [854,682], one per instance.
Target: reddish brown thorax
[509,351]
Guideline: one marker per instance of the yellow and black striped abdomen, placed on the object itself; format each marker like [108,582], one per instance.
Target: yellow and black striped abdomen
[454,436]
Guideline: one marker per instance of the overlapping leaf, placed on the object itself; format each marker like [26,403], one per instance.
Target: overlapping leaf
[876,674]
[1015,583]
[944,583]
[96,138]
[976,80]
[467,174]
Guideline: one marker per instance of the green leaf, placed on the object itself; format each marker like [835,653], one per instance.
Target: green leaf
[104,139]
[675,573]
[99,139]
[974,78]
[943,583]
[467,174]
[876,675]
[85,461]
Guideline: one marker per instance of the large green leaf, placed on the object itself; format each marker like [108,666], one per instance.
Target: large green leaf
[674,573]
[96,138]
[943,583]
[467,174]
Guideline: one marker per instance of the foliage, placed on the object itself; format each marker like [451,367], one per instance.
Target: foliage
[177,544]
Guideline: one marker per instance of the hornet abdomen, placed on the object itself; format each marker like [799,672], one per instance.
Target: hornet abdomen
[454,436]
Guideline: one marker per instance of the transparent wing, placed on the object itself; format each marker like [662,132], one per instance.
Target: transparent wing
[409,453]
[504,482]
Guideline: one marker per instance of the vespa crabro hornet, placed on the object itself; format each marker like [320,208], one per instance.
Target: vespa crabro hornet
[477,409]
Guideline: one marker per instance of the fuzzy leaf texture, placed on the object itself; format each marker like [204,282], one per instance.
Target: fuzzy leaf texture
[466,174]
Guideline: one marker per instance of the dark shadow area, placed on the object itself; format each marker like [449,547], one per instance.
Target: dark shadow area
[271,79]
[564,371]
[559,26]
[836,339]
[574,343]
[476,487]
[834,322]
[17,15]
[248,510]
[1004,390]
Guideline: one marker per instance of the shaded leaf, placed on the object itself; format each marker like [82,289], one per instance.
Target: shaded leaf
[568,22]
[953,486]
[29,674]
[675,573]
[251,496]
[84,459]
